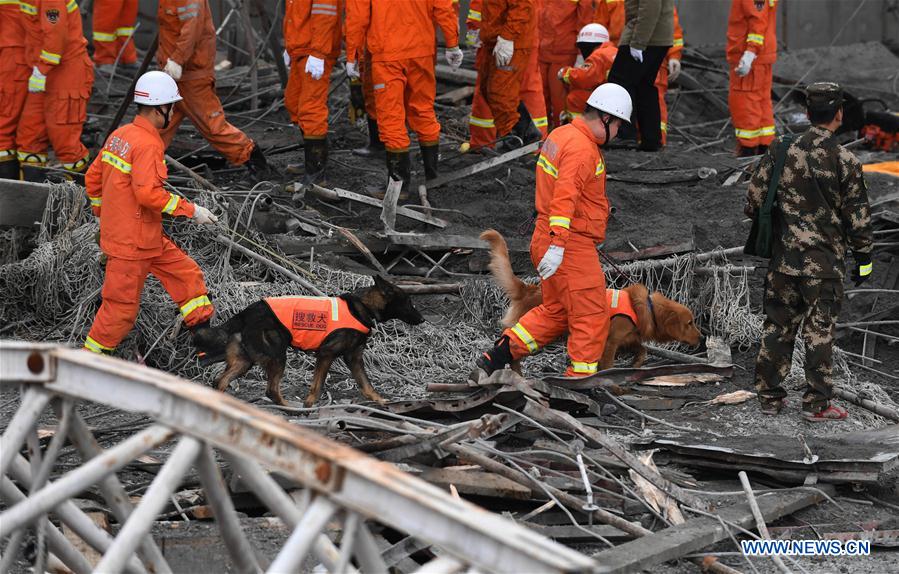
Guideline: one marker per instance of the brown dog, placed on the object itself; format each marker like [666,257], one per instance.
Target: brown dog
[664,322]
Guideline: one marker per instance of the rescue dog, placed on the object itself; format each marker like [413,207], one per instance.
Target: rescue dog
[328,327]
[659,319]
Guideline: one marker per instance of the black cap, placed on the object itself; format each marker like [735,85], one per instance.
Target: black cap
[823,96]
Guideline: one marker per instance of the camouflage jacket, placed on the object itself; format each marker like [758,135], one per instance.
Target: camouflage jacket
[821,206]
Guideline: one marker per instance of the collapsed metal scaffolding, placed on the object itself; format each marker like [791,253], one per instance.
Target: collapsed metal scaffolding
[341,483]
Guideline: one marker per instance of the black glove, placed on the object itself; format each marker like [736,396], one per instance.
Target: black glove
[357,101]
[863,267]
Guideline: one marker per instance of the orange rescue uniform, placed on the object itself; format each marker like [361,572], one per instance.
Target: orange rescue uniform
[674,53]
[55,44]
[572,212]
[14,73]
[311,319]
[753,29]
[610,13]
[113,27]
[311,28]
[514,20]
[581,81]
[125,187]
[481,126]
[560,22]
[187,36]
[401,38]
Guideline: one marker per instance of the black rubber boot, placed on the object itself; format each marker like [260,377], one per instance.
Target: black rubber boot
[34,172]
[398,167]
[77,173]
[9,169]
[258,167]
[429,156]
[499,357]
[745,151]
[315,153]
[761,150]
[374,148]
[523,132]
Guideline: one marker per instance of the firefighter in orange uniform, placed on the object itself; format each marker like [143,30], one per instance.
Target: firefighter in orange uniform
[572,211]
[751,53]
[187,53]
[668,72]
[59,87]
[560,22]
[113,27]
[481,125]
[125,189]
[401,37]
[312,37]
[14,72]
[599,53]
[507,36]
[610,13]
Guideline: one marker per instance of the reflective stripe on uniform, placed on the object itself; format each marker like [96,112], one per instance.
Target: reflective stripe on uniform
[548,167]
[755,39]
[541,122]
[37,84]
[664,127]
[172,204]
[525,337]
[7,154]
[125,31]
[616,294]
[864,270]
[767,131]
[678,42]
[584,368]
[9,2]
[95,347]
[474,15]
[29,9]
[104,37]
[32,157]
[116,162]
[481,122]
[50,57]
[76,165]
[559,221]
[96,201]
[71,6]
[326,9]
[600,168]
[195,304]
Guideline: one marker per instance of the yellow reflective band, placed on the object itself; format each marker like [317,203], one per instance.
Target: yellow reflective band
[104,37]
[125,31]
[50,57]
[767,131]
[481,122]
[616,294]
[37,84]
[600,168]
[587,368]
[77,165]
[95,347]
[755,39]
[474,15]
[34,158]
[864,270]
[664,127]
[747,134]
[96,201]
[525,337]
[171,204]
[559,221]
[71,6]
[7,154]
[29,9]
[334,308]
[116,162]
[678,42]
[9,2]
[541,122]
[195,304]
[575,114]
[548,167]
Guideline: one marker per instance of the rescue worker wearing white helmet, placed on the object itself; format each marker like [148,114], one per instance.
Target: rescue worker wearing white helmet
[580,81]
[125,187]
[572,211]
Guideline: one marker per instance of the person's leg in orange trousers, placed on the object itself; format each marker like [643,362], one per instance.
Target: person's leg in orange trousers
[292,91]
[201,105]
[554,94]
[481,128]
[531,93]
[183,279]
[124,32]
[113,25]
[749,101]
[389,85]
[306,99]
[504,89]
[421,89]
[574,300]
[13,90]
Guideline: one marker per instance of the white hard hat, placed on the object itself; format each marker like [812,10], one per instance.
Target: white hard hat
[613,100]
[594,34]
[156,89]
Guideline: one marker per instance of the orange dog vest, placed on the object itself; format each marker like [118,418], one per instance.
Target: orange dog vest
[619,303]
[311,319]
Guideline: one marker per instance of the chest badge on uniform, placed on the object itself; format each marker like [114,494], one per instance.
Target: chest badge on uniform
[310,320]
[52,16]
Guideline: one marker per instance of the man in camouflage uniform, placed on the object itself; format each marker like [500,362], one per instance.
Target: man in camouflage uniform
[821,206]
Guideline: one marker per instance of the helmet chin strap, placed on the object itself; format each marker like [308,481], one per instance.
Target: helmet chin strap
[166,115]
[605,125]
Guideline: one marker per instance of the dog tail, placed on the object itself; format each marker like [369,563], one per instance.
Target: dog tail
[501,267]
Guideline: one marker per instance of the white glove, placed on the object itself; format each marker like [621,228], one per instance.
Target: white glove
[315,67]
[37,82]
[745,64]
[203,216]
[173,69]
[503,51]
[352,70]
[637,54]
[286,57]
[551,261]
[673,70]
[454,57]
[579,61]
[473,38]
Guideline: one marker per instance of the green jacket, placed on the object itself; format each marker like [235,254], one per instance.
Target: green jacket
[648,23]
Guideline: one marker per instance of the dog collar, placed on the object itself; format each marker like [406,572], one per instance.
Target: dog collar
[652,311]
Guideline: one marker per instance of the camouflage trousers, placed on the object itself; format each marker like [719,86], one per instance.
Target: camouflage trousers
[790,302]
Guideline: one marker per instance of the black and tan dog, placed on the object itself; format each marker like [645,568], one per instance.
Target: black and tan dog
[330,327]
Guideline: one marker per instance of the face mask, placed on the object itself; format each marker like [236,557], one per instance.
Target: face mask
[166,115]
[587,48]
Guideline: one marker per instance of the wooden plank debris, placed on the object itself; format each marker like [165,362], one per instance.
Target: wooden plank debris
[697,533]
[337,193]
[462,76]
[456,96]
[477,483]
[484,165]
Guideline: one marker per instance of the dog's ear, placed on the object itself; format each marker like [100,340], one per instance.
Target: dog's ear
[384,285]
